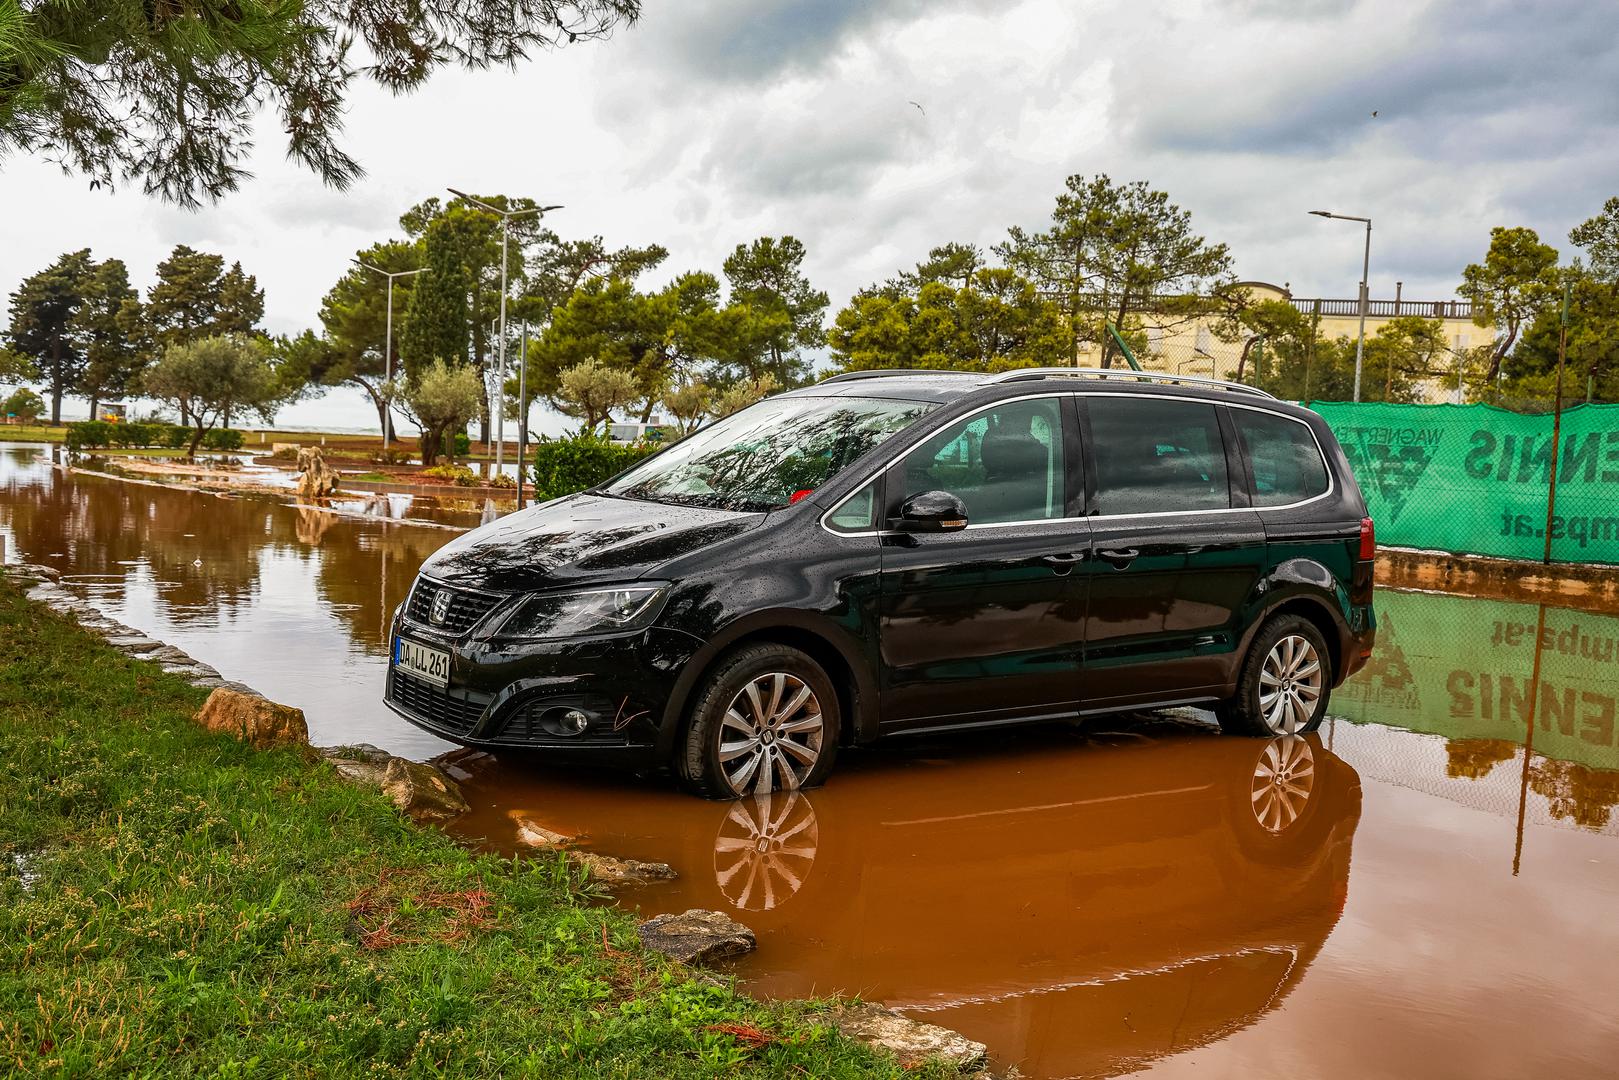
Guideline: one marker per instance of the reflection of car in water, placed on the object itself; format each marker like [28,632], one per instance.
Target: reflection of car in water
[1082,910]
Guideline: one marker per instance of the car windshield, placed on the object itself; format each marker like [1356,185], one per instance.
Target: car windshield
[769,455]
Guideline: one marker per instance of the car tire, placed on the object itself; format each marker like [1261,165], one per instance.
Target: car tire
[766,719]
[1285,682]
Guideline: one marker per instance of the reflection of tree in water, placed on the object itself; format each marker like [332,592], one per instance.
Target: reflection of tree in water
[1472,759]
[1576,792]
[209,555]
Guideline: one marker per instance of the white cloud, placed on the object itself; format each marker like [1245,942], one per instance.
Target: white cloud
[713,122]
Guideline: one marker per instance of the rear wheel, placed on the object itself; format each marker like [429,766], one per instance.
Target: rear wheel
[766,720]
[1285,679]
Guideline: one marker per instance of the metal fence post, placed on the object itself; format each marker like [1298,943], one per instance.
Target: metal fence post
[1557,429]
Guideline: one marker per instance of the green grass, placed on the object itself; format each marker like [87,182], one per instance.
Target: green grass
[173,903]
[26,433]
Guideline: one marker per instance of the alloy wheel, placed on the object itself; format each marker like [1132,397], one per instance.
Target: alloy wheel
[771,735]
[1284,777]
[1290,683]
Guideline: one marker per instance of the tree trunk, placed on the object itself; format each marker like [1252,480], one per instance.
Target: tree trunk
[196,441]
[95,408]
[56,381]
[429,442]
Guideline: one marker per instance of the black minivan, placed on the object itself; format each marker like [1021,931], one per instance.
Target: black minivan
[891,552]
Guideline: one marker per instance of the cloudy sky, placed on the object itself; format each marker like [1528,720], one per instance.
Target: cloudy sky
[715,121]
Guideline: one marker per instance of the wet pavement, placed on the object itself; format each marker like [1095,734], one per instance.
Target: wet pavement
[1411,891]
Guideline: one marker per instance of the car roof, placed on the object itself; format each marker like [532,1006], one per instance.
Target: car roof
[939,386]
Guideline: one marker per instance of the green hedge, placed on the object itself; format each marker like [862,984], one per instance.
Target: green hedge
[99,435]
[223,439]
[564,466]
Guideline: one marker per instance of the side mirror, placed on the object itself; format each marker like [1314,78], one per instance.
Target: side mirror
[932,512]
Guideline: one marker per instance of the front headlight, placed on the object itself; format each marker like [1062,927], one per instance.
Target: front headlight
[615,609]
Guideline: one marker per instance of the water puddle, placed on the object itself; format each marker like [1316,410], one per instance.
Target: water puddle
[1424,887]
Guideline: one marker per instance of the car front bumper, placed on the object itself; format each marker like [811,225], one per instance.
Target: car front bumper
[506,695]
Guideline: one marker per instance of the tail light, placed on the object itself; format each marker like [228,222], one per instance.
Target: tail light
[1368,539]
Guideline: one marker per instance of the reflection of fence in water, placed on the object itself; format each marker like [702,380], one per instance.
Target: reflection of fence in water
[1562,794]
[1478,672]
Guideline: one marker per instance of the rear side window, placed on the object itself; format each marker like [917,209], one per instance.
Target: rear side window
[1283,456]
[1005,463]
[1155,455]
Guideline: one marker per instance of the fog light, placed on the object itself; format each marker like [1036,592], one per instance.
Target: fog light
[561,720]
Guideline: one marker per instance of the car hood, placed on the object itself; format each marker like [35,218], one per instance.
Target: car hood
[580,538]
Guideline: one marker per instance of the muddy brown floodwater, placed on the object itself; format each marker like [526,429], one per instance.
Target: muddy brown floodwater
[1425,887]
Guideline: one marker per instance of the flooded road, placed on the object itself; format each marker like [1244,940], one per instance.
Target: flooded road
[1425,887]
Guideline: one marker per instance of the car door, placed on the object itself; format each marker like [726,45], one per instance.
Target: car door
[987,623]
[1176,551]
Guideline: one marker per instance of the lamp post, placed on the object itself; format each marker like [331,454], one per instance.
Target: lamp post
[388,347]
[1365,271]
[505,223]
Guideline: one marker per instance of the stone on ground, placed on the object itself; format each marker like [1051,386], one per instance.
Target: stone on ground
[360,763]
[912,1041]
[611,871]
[421,791]
[315,477]
[533,834]
[253,719]
[697,936]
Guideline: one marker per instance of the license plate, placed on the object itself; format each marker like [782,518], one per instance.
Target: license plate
[430,665]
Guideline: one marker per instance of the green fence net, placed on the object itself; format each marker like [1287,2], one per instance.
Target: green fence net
[1475,479]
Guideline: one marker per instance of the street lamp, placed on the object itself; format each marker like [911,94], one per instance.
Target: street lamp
[1365,271]
[388,346]
[505,222]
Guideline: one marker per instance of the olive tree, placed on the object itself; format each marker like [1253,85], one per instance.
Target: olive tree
[592,390]
[441,399]
[208,378]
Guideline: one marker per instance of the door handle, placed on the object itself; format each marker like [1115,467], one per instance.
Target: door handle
[1119,557]
[1064,562]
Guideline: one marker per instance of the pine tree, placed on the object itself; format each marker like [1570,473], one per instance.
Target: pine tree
[184,304]
[436,323]
[43,328]
[110,324]
[240,304]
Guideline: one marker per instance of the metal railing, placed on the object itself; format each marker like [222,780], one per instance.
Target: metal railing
[1385,309]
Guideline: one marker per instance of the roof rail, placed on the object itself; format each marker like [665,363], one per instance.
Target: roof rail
[884,373]
[1021,374]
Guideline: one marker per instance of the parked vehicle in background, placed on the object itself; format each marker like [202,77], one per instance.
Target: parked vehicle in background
[893,552]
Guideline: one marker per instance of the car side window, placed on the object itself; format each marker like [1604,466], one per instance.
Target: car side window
[858,512]
[1005,463]
[1282,456]
[1154,455]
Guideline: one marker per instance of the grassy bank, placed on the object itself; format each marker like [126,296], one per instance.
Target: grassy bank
[31,433]
[175,903]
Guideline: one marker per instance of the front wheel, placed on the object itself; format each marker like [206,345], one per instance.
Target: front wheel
[1285,679]
[766,720]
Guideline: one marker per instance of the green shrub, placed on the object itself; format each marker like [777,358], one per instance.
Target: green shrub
[564,466]
[89,435]
[457,474]
[463,444]
[136,434]
[177,437]
[223,439]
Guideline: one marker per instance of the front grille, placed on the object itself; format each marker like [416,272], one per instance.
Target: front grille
[446,709]
[464,611]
